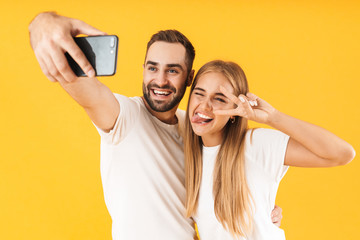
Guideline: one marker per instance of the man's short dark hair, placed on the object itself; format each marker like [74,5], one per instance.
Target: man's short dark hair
[174,36]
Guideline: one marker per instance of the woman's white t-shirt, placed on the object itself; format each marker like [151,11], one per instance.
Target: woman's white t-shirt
[264,168]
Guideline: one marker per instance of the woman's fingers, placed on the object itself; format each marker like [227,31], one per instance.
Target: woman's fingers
[253,99]
[229,95]
[252,96]
[276,216]
[245,104]
[228,112]
[253,103]
[250,106]
[243,109]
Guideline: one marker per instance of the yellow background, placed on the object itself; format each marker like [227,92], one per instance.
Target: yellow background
[301,56]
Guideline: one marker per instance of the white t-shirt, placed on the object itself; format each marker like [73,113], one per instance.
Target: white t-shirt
[142,171]
[264,168]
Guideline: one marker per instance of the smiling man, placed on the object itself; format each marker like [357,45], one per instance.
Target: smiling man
[142,158]
[167,73]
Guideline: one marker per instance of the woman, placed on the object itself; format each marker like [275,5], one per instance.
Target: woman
[232,173]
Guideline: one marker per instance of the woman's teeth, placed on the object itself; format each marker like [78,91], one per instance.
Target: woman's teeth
[203,116]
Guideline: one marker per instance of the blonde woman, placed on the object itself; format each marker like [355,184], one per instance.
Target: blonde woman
[232,172]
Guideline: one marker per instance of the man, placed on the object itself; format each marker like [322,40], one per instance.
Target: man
[142,159]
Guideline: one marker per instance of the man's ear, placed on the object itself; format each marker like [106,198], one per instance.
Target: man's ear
[190,78]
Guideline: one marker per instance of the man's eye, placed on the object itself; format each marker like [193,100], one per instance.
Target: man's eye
[173,71]
[152,68]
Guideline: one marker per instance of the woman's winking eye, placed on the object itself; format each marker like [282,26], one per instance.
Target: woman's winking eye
[220,100]
[198,93]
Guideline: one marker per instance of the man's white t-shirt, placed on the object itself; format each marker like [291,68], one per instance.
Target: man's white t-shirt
[264,168]
[142,172]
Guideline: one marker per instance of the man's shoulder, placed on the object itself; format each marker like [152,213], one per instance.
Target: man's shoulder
[130,102]
[121,97]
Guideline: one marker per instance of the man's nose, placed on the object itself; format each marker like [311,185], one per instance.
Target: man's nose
[161,79]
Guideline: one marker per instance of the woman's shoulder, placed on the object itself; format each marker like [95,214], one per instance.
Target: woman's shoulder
[261,136]
[260,133]
[266,148]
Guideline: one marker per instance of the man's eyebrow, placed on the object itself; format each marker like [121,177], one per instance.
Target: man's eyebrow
[170,65]
[151,63]
[175,65]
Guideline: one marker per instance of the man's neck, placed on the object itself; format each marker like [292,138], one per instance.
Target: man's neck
[168,117]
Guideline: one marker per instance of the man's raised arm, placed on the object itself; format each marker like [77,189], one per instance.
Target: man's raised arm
[51,36]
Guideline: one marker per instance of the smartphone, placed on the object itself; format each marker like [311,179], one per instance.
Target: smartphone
[101,52]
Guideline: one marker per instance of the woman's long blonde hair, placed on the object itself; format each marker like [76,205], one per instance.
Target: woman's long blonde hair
[232,199]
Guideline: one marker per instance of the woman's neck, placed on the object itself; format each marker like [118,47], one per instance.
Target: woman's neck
[211,141]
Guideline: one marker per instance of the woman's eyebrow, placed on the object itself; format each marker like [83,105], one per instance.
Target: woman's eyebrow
[220,94]
[200,89]
[203,90]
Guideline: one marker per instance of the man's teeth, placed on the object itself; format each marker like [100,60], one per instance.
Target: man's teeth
[203,116]
[161,92]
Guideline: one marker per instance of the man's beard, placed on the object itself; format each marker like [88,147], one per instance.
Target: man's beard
[161,105]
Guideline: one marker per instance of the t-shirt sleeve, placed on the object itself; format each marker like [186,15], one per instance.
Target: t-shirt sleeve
[129,111]
[268,149]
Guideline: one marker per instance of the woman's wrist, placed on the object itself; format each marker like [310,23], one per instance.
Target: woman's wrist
[274,118]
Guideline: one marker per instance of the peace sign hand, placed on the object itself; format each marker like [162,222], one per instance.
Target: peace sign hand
[250,106]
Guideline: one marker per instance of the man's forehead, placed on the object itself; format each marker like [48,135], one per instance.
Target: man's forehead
[166,53]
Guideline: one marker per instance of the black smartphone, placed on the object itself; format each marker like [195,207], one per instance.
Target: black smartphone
[101,52]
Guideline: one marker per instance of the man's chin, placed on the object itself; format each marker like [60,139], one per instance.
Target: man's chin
[160,107]
[157,105]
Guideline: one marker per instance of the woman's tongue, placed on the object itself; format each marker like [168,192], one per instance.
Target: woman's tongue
[197,119]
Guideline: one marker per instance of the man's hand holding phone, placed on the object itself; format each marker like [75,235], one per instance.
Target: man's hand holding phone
[51,36]
[100,51]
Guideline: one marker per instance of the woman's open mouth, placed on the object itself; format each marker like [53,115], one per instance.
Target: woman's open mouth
[201,118]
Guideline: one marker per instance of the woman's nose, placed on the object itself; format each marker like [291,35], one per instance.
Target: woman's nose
[206,104]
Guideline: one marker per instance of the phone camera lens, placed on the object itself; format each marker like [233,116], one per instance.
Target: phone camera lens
[112,42]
